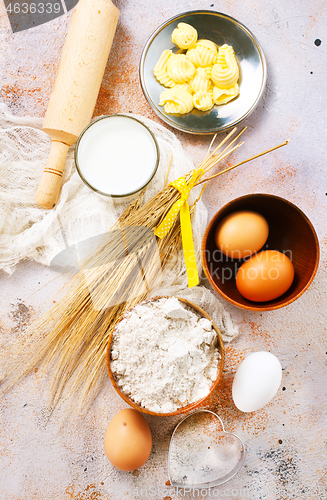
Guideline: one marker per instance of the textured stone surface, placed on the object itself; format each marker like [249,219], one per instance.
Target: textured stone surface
[286,441]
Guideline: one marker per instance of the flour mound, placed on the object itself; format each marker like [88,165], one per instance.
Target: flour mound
[164,355]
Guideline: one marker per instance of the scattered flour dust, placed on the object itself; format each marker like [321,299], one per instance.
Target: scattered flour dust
[164,355]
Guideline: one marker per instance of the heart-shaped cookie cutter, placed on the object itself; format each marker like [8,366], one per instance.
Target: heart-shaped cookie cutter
[201,453]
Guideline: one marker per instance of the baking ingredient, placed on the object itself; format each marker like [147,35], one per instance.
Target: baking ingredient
[128,440]
[256,381]
[117,155]
[180,69]
[160,68]
[212,72]
[222,96]
[265,276]
[164,355]
[202,100]
[184,36]
[241,234]
[200,81]
[225,72]
[176,100]
[203,53]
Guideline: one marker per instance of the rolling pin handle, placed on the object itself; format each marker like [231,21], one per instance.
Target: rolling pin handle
[49,187]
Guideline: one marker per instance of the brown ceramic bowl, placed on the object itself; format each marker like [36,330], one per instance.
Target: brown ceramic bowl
[183,409]
[290,231]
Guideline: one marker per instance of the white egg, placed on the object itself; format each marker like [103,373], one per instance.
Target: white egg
[256,381]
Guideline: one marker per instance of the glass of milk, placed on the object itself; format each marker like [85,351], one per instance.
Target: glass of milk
[117,156]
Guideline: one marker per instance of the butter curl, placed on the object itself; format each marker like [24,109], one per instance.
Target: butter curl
[203,54]
[222,96]
[200,80]
[179,68]
[225,72]
[184,36]
[202,100]
[176,100]
[160,69]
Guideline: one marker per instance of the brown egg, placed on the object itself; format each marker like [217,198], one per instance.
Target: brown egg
[128,440]
[265,276]
[241,234]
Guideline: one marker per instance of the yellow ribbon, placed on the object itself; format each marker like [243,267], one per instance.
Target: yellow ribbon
[186,228]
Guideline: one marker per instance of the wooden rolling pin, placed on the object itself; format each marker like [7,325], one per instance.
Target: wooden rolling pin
[70,109]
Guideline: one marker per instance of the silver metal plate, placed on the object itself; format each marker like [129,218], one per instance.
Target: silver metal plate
[221,29]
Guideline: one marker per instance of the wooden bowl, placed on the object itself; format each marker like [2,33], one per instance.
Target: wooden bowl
[183,409]
[290,231]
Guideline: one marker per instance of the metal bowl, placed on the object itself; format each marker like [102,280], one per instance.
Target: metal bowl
[221,29]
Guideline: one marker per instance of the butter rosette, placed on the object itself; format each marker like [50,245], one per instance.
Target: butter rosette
[160,69]
[222,96]
[200,81]
[179,68]
[225,72]
[176,100]
[203,54]
[203,100]
[184,36]
[208,44]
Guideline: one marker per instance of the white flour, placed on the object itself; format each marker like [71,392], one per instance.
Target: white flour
[164,355]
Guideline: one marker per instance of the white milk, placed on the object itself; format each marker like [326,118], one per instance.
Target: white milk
[117,155]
